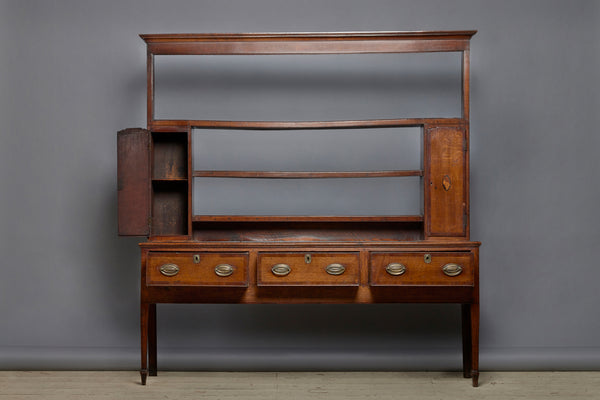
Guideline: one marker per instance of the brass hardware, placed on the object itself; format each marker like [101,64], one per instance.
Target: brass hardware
[307,258]
[446,182]
[427,258]
[335,269]
[452,269]
[223,270]
[281,269]
[395,269]
[196,258]
[169,269]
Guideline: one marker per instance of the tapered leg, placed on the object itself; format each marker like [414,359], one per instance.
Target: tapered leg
[152,339]
[475,343]
[144,314]
[470,336]
[466,340]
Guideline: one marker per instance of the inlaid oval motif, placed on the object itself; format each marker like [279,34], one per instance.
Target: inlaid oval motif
[223,270]
[446,182]
[169,269]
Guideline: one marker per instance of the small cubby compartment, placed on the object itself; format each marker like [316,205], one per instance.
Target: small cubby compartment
[169,208]
[169,155]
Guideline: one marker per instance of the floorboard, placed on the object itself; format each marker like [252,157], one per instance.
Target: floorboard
[105,385]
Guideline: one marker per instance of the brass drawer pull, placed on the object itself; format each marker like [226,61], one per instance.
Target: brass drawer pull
[169,269]
[224,270]
[335,269]
[452,269]
[395,269]
[281,269]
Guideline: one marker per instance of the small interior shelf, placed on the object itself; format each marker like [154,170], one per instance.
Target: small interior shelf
[169,179]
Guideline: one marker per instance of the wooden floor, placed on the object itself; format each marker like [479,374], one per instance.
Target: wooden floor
[16,385]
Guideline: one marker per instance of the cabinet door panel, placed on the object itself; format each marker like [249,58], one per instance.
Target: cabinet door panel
[446,202]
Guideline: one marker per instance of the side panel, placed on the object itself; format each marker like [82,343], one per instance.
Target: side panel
[446,208]
[133,182]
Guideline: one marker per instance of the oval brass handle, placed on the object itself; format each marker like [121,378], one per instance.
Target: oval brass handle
[224,270]
[335,269]
[169,269]
[395,269]
[452,269]
[281,269]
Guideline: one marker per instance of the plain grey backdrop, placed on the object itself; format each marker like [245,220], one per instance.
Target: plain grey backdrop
[72,73]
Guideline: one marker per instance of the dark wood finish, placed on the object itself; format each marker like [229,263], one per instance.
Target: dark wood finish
[156,177]
[152,350]
[169,208]
[133,176]
[169,158]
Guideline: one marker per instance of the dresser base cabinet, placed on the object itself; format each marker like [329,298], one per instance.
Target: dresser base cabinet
[191,257]
[418,272]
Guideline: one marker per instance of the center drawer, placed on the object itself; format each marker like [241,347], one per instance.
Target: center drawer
[308,269]
[197,269]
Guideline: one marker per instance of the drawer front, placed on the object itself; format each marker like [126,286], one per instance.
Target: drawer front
[391,269]
[197,269]
[308,269]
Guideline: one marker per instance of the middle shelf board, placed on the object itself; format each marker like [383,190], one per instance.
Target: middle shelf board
[305,174]
[307,218]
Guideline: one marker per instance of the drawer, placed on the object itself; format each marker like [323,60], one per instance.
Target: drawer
[197,269]
[391,269]
[308,269]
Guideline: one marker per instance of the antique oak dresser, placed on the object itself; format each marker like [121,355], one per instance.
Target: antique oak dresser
[190,257]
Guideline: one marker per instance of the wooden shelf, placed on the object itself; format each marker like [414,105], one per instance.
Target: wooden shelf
[305,174]
[169,179]
[161,125]
[307,218]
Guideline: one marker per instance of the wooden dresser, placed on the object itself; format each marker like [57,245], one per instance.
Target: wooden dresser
[425,257]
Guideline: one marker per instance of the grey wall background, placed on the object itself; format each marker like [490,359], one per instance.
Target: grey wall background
[72,73]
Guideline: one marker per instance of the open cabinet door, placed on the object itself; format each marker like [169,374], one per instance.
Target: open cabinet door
[133,182]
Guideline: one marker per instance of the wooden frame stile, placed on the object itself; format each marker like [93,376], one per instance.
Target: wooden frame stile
[424,258]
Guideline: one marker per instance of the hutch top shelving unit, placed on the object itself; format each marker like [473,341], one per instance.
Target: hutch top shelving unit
[207,258]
